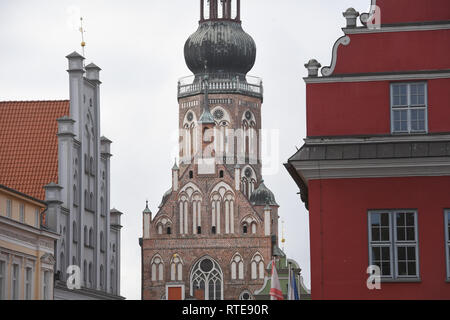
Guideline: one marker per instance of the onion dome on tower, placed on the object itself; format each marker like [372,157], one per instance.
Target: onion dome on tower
[263,196]
[220,47]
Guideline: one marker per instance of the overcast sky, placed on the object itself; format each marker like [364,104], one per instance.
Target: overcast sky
[139,45]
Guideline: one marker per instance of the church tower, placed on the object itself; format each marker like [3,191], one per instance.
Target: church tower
[217,226]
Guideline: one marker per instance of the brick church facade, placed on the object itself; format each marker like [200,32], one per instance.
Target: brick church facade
[217,227]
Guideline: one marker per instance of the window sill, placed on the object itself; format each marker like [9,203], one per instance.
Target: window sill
[402,280]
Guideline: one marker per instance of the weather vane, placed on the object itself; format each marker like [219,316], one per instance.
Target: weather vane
[82,31]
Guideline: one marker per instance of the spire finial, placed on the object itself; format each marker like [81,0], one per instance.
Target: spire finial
[82,31]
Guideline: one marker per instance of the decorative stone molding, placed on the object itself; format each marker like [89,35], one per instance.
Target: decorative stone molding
[365,16]
[328,71]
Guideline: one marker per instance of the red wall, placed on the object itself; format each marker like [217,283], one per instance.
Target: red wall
[363,108]
[401,11]
[439,105]
[395,51]
[338,210]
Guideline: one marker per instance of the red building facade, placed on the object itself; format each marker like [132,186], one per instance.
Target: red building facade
[375,168]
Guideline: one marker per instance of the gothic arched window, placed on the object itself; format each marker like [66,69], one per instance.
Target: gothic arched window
[237,267]
[90,273]
[102,245]
[222,202]
[207,279]
[248,181]
[157,268]
[91,237]
[102,272]
[257,267]
[176,268]
[85,271]
[74,232]
[86,236]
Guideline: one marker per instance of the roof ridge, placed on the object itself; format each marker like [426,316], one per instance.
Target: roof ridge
[34,101]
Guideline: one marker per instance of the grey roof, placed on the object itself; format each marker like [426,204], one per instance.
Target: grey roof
[165,197]
[277,252]
[74,55]
[356,151]
[115,211]
[206,117]
[92,66]
[223,45]
[263,196]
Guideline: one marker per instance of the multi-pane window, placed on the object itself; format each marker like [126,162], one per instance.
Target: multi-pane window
[28,283]
[393,244]
[8,208]
[46,285]
[15,283]
[2,280]
[22,212]
[447,241]
[409,107]
[36,218]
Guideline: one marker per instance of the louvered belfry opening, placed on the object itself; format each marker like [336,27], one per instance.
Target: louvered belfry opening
[211,10]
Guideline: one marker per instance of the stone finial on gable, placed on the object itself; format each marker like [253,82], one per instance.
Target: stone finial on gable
[351,15]
[313,67]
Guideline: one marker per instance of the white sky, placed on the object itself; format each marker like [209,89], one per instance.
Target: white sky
[139,45]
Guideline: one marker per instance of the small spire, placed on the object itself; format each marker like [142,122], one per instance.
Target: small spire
[147,209]
[175,166]
[82,31]
[206,117]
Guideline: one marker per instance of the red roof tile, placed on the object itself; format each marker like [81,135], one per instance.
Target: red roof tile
[29,144]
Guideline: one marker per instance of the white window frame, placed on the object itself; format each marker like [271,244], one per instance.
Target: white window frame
[28,282]
[408,107]
[393,244]
[447,242]
[22,213]
[47,286]
[15,281]
[36,217]
[9,208]
[4,277]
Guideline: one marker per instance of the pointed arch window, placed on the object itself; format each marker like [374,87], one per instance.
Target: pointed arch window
[86,236]
[74,232]
[176,268]
[102,275]
[157,266]
[90,274]
[257,267]
[207,279]
[91,238]
[237,267]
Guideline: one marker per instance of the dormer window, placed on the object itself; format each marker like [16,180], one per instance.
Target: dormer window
[409,104]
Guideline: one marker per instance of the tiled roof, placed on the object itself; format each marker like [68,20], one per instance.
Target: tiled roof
[29,144]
